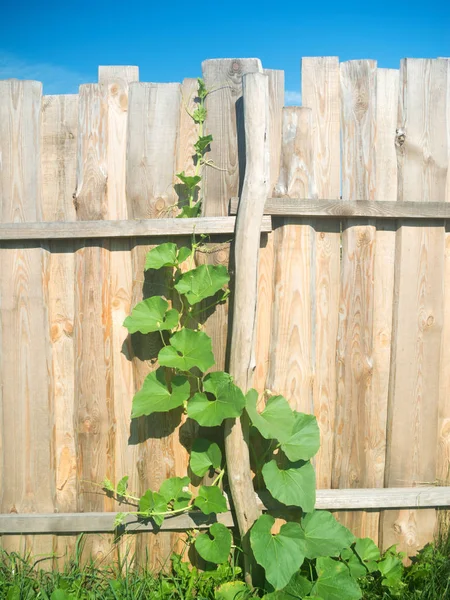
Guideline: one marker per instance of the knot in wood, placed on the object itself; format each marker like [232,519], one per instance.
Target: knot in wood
[400,137]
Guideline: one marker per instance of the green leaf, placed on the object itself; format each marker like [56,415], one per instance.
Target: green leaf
[189,181]
[204,455]
[391,567]
[190,212]
[120,518]
[323,535]
[233,590]
[183,254]
[356,568]
[14,593]
[217,549]
[150,315]
[210,500]
[199,114]
[275,421]
[202,91]
[334,581]
[293,485]
[297,433]
[298,588]
[188,349]
[107,485]
[122,486]
[155,394]
[151,503]
[164,255]
[172,488]
[202,282]
[368,552]
[281,555]
[58,594]
[202,144]
[228,400]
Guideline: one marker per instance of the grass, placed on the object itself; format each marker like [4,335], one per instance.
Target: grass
[427,578]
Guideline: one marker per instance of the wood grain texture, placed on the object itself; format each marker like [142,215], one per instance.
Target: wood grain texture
[290,342]
[153,125]
[25,360]
[422,147]
[122,229]
[59,161]
[243,333]
[320,92]
[93,401]
[266,251]
[115,83]
[353,426]
[384,269]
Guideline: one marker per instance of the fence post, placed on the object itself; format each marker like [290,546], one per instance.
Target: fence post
[246,249]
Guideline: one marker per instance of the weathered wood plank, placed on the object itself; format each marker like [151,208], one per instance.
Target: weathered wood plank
[121,229]
[356,313]
[422,145]
[266,251]
[290,342]
[153,124]
[25,360]
[115,82]
[320,92]
[381,209]
[348,499]
[59,162]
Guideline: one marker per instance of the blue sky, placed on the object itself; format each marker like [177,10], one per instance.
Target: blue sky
[63,43]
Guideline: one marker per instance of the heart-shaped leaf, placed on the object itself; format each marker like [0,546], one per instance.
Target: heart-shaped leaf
[281,555]
[210,500]
[204,455]
[188,349]
[232,590]
[155,394]
[190,212]
[152,505]
[323,535]
[216,548]
[202,143]
[297,433]
[354,564]
[164,255]
[172,490]
[368,552]
[298,588]
[202,282]
[122,486]
[293,485]
[228,401]
[152,314]
[334,581]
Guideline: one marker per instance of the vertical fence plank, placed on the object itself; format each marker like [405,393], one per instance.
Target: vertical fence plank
[94,408]
[266,252]
[153,133]
[422,144]
[59,159]
[290,342]
[386,189]
[26,484]
[115,82]
[320,92]
[188,133]
[355,334]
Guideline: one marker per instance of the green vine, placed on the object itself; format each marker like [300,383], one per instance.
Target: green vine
[310,555]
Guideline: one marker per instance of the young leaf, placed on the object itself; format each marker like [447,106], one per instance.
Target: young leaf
[210,500]
[202,144]
[122,486]
[281,555]
[189,181]
[217,549]
[151,503]
[355,566]
[334,581]
[297,433]
[202,91]
[323,535]
[202,282]
[204,455]
[164,255]
[150,315]
[229,400]
[188,349]
[155,395]
[120,518]
[293,485]
[107,485]
[199,114]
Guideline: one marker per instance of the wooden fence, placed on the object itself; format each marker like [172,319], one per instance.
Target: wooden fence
[353,299]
